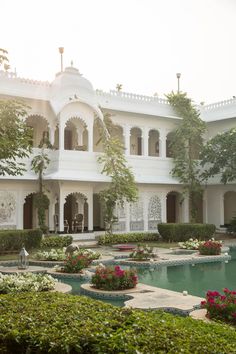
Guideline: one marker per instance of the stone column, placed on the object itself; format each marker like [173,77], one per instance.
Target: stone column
[61,135]
[145,211]
[52,134]
[90,212]
[127,217]
[20,211]
[61,213]
[145,138]
[163,207]
[126,131]
[80,136]
[90,137]
[185,209]
[51,212]
[222,207]
[162,142]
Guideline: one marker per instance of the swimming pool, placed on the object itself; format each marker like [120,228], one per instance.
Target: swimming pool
[197,280]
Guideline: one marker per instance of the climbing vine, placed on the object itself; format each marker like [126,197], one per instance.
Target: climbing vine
[186,146]
[122,186]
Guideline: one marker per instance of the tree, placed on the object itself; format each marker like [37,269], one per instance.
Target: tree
[4,59]
[15,137]
[39,164]
[219,157]
[122,186]
[186,146]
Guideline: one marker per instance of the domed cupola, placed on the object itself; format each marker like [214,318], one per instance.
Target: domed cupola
[70,85]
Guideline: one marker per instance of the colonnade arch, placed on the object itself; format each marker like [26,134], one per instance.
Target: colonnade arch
[76,203]
[40,128]
[76,135]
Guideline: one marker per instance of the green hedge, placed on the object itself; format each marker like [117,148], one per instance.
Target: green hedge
[55,323]
[56,241]
[13,240]
[129,237]
[183,232]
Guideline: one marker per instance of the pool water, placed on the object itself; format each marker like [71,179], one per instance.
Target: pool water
[197,280]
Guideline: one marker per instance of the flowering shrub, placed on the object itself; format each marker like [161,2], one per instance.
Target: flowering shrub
[210,247]
[191,244]
[15,283]
[221,307]
[142,253]
[76,262]
[114,278]
[59,254]
[52,255]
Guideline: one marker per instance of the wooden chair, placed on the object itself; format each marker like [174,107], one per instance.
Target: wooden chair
[78,223]
[56,224]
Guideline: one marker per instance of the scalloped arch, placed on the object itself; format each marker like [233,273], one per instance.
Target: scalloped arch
[76,117]
[32,115]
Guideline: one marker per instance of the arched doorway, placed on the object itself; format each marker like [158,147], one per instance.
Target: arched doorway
[76,203]
[229,206]
[76,135]
[40,129]
[30,219]
[136,147]
[169,140]
[174,202]
[153,143]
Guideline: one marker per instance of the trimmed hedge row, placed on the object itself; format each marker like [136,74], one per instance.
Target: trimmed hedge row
[56,241]
[13,240]
[183,232]
[129,237]
[57,323]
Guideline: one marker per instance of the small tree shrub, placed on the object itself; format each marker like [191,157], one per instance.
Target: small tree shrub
[182,232]
[210,248]
[114,278]
[57,323]
[126,238]
[14,240]
[56,241]
[221,306]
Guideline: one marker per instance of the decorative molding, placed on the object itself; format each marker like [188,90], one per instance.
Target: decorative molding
[7,208]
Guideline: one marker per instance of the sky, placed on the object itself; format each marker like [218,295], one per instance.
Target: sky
[140,44]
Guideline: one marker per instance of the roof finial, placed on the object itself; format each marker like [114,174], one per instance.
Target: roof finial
[71,63]
[61,51]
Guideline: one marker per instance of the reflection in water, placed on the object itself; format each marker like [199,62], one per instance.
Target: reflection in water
[197,280]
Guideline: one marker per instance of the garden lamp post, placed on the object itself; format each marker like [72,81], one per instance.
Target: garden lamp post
[23,261]
[178,77]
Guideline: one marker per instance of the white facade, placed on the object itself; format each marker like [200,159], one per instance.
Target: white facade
[66,110]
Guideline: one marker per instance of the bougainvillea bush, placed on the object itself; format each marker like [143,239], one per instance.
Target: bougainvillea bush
[24,282]
[114,278]
[221,306]
[76,262]
[210,247]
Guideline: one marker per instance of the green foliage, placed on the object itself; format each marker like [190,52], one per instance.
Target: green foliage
[56,323]
[14,240]
[219,157]
[129,237]
[232,226]
[183,232]
[186,146]
[4,59]
[15,137]
[56,241]
[122,186]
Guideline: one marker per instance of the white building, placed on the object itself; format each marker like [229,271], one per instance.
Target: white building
[66,110]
